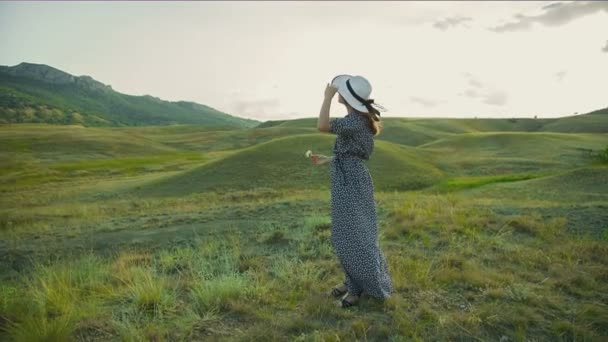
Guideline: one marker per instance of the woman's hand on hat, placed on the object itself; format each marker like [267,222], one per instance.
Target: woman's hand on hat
[330,91]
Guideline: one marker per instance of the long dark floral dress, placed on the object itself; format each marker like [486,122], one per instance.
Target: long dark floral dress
[353,209]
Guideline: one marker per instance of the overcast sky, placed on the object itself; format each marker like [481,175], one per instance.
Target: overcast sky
[271,60]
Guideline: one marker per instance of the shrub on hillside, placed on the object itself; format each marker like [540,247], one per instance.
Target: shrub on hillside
[603,156]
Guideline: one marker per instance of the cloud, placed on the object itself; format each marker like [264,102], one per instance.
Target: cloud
[553,5]
[487,94]
[475,83]
[560,75]
[472,80]
[496,97]
[605,48]
[424,102]
[259,108]
[451,22]
[555,14]
[491,97]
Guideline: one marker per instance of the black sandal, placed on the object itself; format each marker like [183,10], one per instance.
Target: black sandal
[336,292]
[347,304]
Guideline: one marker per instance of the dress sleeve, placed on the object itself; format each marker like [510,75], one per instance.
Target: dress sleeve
[342,126]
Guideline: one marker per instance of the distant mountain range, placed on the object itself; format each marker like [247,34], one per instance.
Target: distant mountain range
[42,94]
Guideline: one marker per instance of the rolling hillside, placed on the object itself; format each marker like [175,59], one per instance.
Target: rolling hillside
[494,153]
[189,232]
[420,131]
[201,138]
[35,154]
[594,122]
[280,163]
[221,159]
[534,145]
[585,185]
[42,94]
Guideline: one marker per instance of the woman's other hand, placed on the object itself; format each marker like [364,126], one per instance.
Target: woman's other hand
[330,91]
[319,159]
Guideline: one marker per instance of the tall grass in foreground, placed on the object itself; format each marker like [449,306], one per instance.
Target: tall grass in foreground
[459,273]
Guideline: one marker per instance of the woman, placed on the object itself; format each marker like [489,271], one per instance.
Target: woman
[354,231]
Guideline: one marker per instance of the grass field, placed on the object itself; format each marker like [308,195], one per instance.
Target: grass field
[493,231]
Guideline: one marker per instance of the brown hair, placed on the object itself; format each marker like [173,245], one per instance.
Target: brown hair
[373,120]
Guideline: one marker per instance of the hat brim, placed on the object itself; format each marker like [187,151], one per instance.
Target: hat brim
[340,83]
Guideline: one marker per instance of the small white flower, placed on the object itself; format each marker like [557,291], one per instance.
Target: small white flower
[308,153]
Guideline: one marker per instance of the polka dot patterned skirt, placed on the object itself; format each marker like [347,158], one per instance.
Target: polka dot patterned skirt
[355,230]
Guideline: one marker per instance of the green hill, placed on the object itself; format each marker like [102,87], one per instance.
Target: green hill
[410,131]
[280,163]
[202,138]
[38,93]
[73,142]
[36,154]
[225,158]
[537,145]
[514,152]
[587,181]
[397,130]
[578,195]
[594,122]
[420,131]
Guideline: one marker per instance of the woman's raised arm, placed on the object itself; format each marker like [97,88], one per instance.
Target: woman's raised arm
[323,123]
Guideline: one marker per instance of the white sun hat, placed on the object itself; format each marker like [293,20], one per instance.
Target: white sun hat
[356,91]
